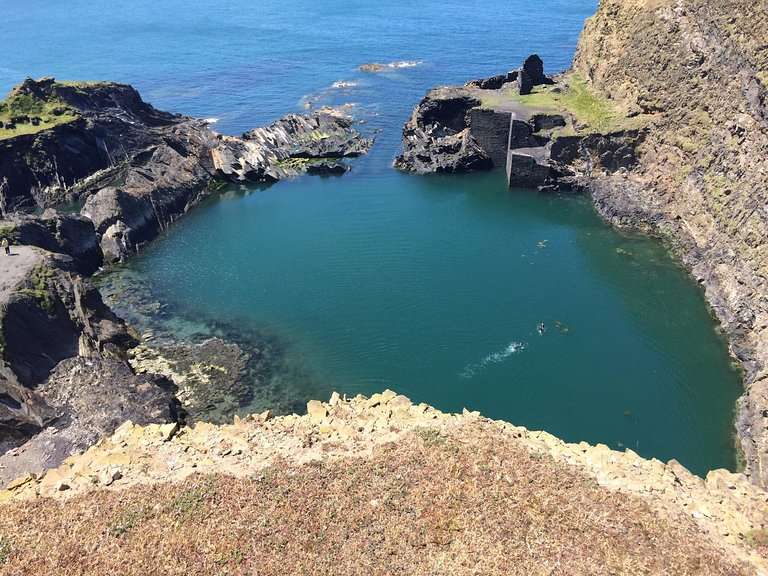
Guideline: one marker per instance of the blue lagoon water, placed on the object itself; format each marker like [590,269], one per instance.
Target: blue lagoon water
[432,286]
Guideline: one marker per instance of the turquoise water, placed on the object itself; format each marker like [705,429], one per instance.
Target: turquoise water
[432,286]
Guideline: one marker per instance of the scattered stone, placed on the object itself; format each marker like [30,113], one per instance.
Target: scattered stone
[167,431]
[110,476]
[317,411]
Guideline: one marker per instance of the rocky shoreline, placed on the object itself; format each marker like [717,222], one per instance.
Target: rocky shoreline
[659,148]
[71,371]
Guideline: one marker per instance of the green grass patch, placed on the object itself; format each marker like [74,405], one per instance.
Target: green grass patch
[190,500]
[757,538]
[48,112]
[5,550]
[9,231]
[430,436]
[128,520]
[39,288]
[592,112]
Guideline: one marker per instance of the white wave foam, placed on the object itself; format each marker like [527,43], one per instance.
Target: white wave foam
[211,120]
[405,64]
[378,67]
[341,84]
[470,370]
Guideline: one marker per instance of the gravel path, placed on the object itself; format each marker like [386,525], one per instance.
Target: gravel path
[14,268]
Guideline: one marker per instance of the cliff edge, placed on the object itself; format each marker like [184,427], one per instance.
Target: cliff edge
[380,485]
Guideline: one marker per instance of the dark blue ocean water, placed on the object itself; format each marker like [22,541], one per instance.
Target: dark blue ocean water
[433,286]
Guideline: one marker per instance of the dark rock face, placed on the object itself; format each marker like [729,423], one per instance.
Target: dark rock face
[64,378]
[85,399]
[437,137]
[327,168]
[547,122]
[69,234]
[113,123]
[23,413]
[524,83]
[137,169]
[55,315]
[289,147]
[449,113]
[494,82]
[534,69]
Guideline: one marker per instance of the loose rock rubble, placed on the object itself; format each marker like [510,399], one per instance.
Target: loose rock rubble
[725,506]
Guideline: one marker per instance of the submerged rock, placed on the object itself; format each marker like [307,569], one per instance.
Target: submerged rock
[210,376]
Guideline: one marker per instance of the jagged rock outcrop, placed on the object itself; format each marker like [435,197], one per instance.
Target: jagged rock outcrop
[56,314]
[530,75]
[136,169]
[488,124]
[108,123]
[64,378]
[437,137]
[69,234]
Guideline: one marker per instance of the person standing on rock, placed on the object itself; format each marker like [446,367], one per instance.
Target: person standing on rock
[6,246]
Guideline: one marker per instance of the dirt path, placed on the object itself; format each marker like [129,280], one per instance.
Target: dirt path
[14,268]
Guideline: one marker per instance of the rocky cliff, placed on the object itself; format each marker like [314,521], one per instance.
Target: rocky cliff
[663,119]
[699,70]
[135,169]
[378,482]
[64,377]
[69,371]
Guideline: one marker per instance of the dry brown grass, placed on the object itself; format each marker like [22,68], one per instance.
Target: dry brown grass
[424,506]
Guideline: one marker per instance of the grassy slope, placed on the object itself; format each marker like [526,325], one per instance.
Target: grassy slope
[51,112]
[592,112]
[434,503]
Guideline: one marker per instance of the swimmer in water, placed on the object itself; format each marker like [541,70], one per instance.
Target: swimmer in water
[541,328]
